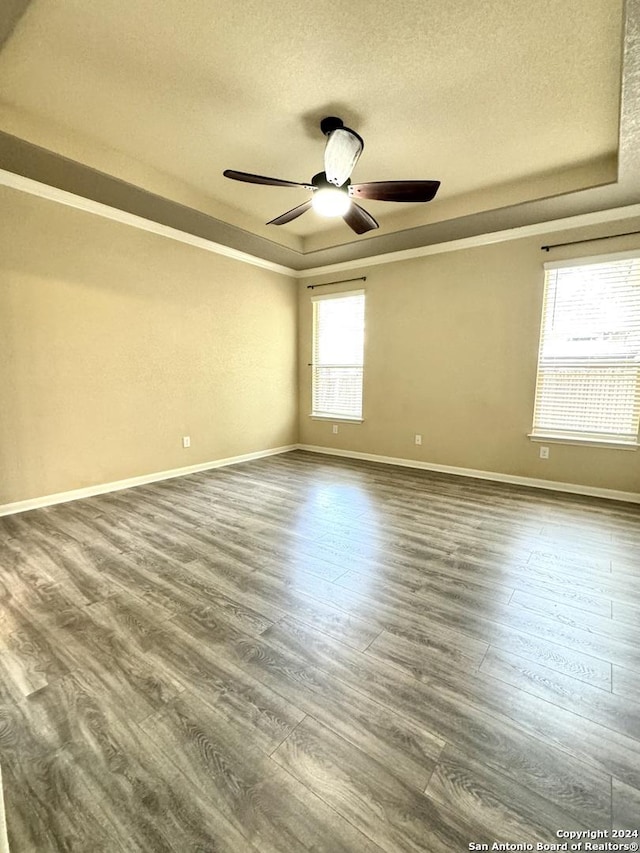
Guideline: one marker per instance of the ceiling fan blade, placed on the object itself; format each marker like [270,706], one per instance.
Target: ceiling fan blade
[396,190]
[294,213]
[248,178]
[359,220]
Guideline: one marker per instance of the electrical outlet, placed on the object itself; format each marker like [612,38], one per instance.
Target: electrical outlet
[186,441]
[418,438]
[335,429]
[544,453]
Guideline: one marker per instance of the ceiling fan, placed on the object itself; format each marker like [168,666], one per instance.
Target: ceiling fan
[333,192]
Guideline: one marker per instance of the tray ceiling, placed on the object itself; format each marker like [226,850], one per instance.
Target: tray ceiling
[505,102]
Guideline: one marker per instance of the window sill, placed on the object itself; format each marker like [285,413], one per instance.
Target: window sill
[585,442]
[336,418]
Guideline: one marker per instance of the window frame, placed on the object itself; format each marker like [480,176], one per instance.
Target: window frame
[315,300]
[550,437]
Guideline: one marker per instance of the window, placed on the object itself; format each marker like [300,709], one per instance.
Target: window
[338,350]
[588,384]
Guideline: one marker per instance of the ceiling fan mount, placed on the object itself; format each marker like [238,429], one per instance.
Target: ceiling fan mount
[333,193]
[330,123]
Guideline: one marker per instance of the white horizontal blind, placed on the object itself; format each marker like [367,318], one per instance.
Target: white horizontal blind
[338,352]
[589,362]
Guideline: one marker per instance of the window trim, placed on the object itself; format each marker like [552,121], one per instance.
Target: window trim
[592,259]
[337,294]
[323,297]
[552,438]
[584,441]
[332,418]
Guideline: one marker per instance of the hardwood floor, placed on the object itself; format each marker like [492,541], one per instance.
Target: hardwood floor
[305,653]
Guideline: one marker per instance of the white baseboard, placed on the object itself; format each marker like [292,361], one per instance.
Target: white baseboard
[552,485]
[103,488]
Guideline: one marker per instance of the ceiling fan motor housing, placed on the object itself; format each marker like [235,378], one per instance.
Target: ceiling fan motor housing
[320,182]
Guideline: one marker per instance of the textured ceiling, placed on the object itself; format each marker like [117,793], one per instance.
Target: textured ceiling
[499,100]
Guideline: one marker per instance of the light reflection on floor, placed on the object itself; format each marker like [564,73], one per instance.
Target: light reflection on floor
[331,511]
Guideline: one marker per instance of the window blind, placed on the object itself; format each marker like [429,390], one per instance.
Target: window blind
[588,384]
[338,352]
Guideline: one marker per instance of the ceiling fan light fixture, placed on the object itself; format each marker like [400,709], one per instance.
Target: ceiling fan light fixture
[342,152]
[333,194]
[330,202]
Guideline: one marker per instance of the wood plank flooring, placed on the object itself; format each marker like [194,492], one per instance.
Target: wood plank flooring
[305,653]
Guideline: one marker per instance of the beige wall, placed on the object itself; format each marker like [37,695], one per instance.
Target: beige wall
[114,343]
[451,352]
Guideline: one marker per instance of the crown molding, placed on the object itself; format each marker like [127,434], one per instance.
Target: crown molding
[518,233]
[32,187]
[51,193]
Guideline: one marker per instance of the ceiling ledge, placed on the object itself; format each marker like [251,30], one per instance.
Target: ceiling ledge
[586,175]
[22,158]
[10,13]
[46,168]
